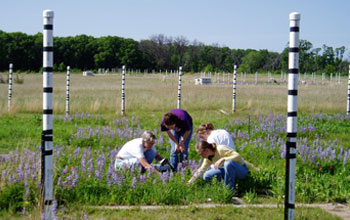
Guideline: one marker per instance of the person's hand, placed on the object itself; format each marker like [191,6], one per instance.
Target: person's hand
[182,147]
[218,163]
[177,148]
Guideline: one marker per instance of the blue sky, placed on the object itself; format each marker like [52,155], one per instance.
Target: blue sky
[256,24]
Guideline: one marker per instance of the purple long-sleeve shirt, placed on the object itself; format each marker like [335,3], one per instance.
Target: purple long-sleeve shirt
[184,124]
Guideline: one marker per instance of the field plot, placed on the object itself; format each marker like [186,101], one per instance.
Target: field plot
[86,143]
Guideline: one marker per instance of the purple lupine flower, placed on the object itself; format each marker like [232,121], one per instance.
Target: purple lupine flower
[3,174]
[134,182]
[76,152]
[97,174]
[143,179]
[59,181]
[20,174]
[26,189]
[24,211]
[115,179]
[54,207]
[86,216]
[91,166]
[33,176]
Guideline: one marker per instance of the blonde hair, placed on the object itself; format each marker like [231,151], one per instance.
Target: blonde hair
[203,145]
[204,127]
[148,136]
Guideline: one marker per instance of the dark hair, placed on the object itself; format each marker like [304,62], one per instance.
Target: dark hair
[170,119]
[203,145]
[205,127]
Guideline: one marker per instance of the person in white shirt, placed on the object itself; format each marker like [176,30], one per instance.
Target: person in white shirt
[140,151]
[219,136]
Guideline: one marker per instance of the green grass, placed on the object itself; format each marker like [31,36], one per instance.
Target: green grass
[174,213]
[256,126]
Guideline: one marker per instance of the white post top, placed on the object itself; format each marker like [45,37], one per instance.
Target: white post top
[11,65]
[68,67]
[123,67]
[294,16]
[235,66]
[180,68]
[48,14]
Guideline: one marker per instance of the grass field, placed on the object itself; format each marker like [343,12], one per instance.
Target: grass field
[96,130]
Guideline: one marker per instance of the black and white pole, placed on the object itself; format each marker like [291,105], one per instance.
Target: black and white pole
[67,91]
[123,91]
[234,89]
[47,134]
[293,70]
[10,88]
[348,109]
[179,88]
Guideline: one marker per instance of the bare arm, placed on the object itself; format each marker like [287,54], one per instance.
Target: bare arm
[171,136]
[144,163]
[187,133]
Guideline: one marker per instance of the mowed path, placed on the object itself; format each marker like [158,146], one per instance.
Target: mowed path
[340,210]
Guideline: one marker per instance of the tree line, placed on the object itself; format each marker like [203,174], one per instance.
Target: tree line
[159,52]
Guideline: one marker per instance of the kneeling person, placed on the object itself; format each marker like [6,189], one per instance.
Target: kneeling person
[228,164]
[140,151]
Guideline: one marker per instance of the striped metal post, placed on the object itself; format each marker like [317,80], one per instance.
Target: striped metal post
[10,88]
[293,70]
[123,91]
[348,109]
[179,88]
[234,88]
[47,134]
[67,91]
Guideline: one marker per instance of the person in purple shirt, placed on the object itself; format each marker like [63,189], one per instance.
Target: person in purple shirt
[178,125]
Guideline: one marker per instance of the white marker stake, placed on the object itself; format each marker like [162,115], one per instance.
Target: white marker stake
[179,89]
[10,88]
[293,70]
[234,89]
[67,91]
[47,134]
[348,110]
[123,91]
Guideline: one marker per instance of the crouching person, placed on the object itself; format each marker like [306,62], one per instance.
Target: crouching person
[228,164]
[140,152]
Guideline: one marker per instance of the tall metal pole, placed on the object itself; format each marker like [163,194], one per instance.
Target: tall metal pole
[179,88]
[123,91]
[47,134]
[348,109]
[10,88]
[234,88]
[67,92]
[293,70]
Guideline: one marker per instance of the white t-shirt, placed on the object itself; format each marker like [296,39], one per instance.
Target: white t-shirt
[221,137]
[132,149]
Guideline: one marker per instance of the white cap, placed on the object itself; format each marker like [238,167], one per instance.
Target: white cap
[48,14]
[294,16]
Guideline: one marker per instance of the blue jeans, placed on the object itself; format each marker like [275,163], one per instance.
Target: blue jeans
[174,156]
[229,173]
